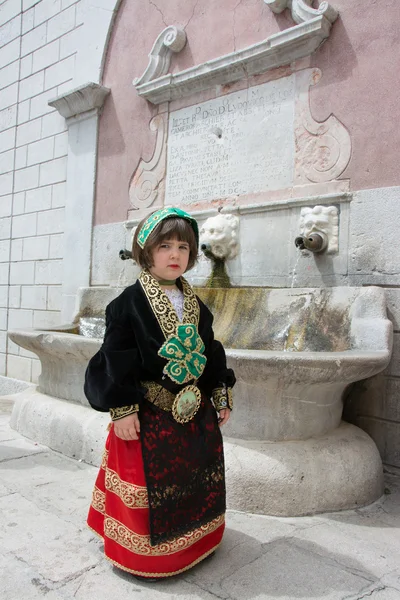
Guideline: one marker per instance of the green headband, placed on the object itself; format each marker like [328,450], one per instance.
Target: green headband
[160,215]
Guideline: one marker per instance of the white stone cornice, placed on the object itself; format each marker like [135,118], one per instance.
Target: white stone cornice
[80,100]
[172,39]
[302,10]
[279,49]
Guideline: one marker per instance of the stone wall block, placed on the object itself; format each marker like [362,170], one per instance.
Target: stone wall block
[54,297]
[3,318]
[386,436]
[22,273]
[46,9]
[45,56]
[5,228]
[53,171]
[9,74]
[3,342]
[14,296]
[28,20]
[3,358]
[45,319]
[58,195]
[11,30]
[9,96]
[5,206]
[61,72]
[34,39]
[6,161]
[51,221]
[52,124]
[27,178]
[41,151]
[26,66]
[31,86]
[21,157]
[23,112]
[48,272]
[3,296]
[56,246]
[16,250]
[61,24]
[20,318]
[28,132]
[8,117]
[6,184]
[38,199]
[8,10]
[36,248]
[7,139]
[24,225]
[5,251]
[394,366]
[34,297]
[19,367]
[9,53]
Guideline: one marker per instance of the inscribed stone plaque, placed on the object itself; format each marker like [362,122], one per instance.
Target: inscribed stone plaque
[238,144]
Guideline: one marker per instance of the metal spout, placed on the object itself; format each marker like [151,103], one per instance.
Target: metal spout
[314,242]
[125,254]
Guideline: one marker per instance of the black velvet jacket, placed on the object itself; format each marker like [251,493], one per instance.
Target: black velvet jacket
[129,354]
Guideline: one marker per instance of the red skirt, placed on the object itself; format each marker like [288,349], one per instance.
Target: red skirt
[119,514]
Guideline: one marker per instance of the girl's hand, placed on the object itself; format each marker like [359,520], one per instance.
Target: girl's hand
[224,415]
[127,428]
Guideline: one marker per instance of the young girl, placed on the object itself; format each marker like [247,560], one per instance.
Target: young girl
[159,498]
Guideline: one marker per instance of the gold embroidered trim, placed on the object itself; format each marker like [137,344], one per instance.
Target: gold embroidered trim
[222,398]
[104,459]
[140,544]
[99,500]
[163,308]
[123,411]
[158,395]
[161,575]
[133,496]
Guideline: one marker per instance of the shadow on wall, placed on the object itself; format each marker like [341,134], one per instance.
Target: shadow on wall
[113,142]
[337,59]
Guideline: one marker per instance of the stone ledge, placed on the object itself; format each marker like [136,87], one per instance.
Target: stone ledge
[275,51]
[83,99]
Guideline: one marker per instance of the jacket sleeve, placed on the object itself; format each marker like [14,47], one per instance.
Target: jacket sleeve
[112,378]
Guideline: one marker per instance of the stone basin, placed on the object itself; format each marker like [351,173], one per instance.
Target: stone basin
[294,352]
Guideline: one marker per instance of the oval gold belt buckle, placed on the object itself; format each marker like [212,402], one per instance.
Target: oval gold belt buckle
[186,404]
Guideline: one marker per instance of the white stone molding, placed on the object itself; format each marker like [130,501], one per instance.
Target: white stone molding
[279,49]
[80,107]
[172,39]
[80,100]
[323,149]
[302,10]
[148,182]
[323,220]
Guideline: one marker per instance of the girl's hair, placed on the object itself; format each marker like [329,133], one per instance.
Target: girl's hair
[169,229]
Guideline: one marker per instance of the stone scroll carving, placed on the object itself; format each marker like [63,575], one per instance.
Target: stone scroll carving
[172,39]
[302,10]
[322,149]
[147,184]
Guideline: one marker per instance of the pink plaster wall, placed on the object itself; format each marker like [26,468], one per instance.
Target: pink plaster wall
[359,63]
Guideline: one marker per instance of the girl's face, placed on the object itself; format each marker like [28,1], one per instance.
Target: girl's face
[170,259]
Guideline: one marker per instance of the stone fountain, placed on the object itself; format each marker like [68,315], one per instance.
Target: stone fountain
[294,352]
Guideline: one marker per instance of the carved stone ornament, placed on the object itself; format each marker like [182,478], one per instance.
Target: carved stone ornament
[282,48]
[323,220]
[172,39]
[323,149]
[80,100]
[148,181]
[302,10]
